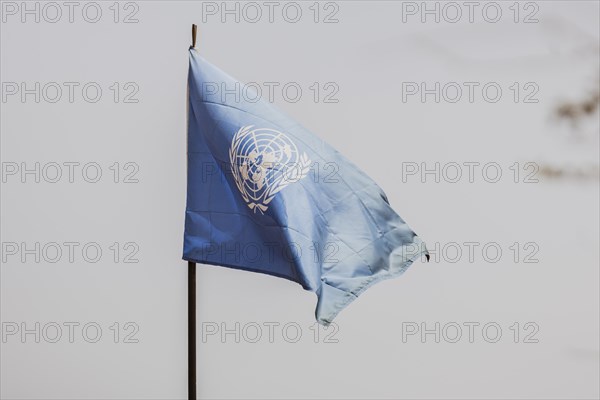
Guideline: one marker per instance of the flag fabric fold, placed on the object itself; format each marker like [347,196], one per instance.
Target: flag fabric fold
[266,195]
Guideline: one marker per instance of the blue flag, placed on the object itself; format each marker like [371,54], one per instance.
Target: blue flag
[266,195]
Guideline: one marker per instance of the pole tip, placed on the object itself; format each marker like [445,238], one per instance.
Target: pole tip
[194,30]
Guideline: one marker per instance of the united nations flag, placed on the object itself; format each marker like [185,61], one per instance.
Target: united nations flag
[255,202]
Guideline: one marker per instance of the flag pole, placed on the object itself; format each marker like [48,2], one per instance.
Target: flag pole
[192,307]
[191,330]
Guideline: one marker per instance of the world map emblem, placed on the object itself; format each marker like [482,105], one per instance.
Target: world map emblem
[263,163]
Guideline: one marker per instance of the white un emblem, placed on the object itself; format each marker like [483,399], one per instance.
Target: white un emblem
[263,162]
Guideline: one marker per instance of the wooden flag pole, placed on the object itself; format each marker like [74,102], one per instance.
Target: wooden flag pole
[192,308]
